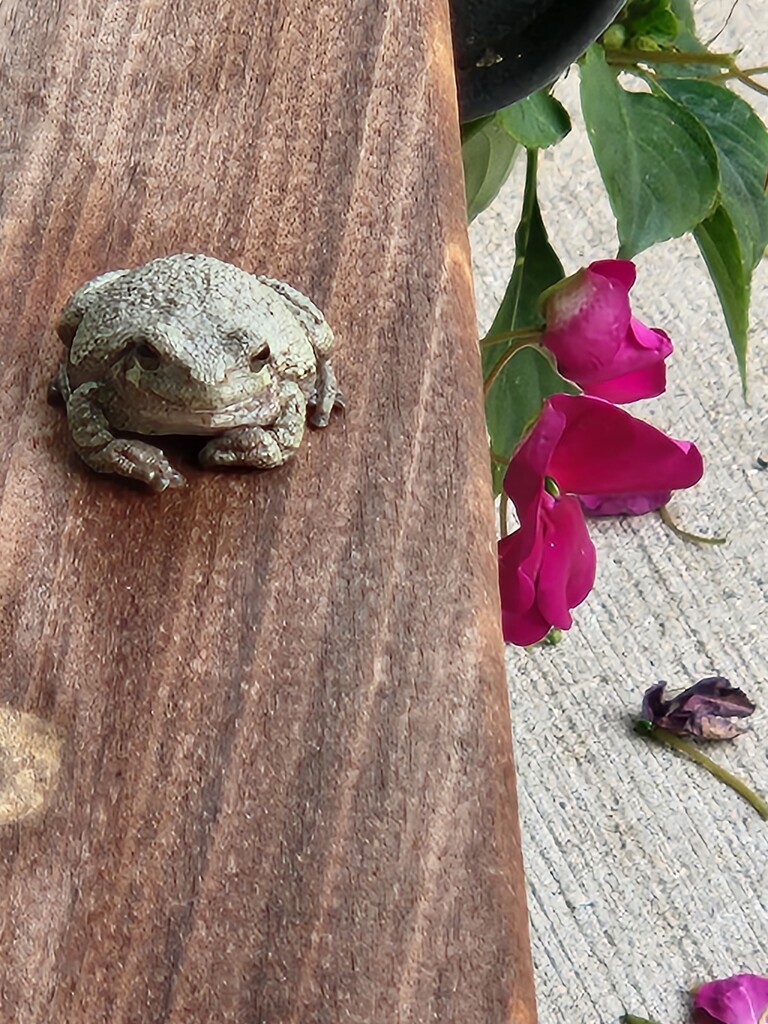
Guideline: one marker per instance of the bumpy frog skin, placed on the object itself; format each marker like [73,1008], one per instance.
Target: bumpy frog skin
[187,344]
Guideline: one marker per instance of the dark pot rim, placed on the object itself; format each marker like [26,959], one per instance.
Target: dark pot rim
[497,64]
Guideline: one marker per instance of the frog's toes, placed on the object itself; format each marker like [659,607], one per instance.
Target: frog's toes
[326,394]
[243,446]
[136,460]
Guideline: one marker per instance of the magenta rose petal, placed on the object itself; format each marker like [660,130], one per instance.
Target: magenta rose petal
[642,349]
[595,340]
[741,999]
[567,572]
[581,451]
[646,383]
[523,628]
[605,450]
[587,319]
[519,560]
[545,571]
[524,479]
[653,339]
[622,272]
[521,620]
[547,566]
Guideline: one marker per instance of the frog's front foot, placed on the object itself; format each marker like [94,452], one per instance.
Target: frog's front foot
[98,447]
[136,460]
[261,447]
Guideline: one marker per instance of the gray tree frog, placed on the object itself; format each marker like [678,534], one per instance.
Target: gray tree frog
[187,344]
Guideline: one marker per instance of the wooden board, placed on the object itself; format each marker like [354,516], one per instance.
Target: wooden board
[269,774]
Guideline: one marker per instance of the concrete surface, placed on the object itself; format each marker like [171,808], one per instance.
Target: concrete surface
[645,874]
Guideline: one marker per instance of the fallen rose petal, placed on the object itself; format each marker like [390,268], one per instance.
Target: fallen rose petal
[706,710]
[741,999]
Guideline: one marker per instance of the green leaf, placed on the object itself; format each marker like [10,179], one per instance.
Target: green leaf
[536,122]
[652,19]
[719,244]
[683,11]
[536,268]
[741,141]
[515,397]
[488,152]
[657,162]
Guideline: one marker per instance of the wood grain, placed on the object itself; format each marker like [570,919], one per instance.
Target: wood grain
[283,787]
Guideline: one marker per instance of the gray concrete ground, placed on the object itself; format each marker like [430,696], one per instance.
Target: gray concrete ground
[645,875]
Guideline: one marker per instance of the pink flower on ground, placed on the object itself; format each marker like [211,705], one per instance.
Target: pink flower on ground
[711,709]
[742,999]
[596,341]
[578,445]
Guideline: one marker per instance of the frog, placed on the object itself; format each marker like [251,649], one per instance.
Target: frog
[189,344]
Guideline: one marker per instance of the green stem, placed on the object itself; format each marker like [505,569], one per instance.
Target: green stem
[690,538]
[630,1018]
[522,334]
[499,366]
[669,739]
[629,58]
[503,524]
[743,77]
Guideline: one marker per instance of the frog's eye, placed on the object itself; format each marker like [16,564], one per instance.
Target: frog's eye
[259,359]
[146,356]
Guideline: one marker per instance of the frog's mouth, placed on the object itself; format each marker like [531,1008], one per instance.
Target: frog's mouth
[155,416]
[149,404]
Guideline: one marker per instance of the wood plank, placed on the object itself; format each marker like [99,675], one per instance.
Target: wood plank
[272,705]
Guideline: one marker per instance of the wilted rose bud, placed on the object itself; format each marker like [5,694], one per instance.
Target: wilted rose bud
[709,709]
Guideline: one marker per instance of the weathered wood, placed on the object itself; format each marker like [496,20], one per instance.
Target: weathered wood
[286,788]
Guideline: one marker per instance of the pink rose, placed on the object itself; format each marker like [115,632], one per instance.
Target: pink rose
[742,999]
[596,341]
[578,445]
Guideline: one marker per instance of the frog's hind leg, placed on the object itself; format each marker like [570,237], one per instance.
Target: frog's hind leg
[326,394]
[58,389]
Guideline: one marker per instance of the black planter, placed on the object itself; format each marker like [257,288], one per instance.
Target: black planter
[506,49]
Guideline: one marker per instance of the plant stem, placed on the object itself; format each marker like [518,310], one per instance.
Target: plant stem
[628,58]
[499,366]
[743,77]
[522,334]
[631,59]
[669,739]
[691,538]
